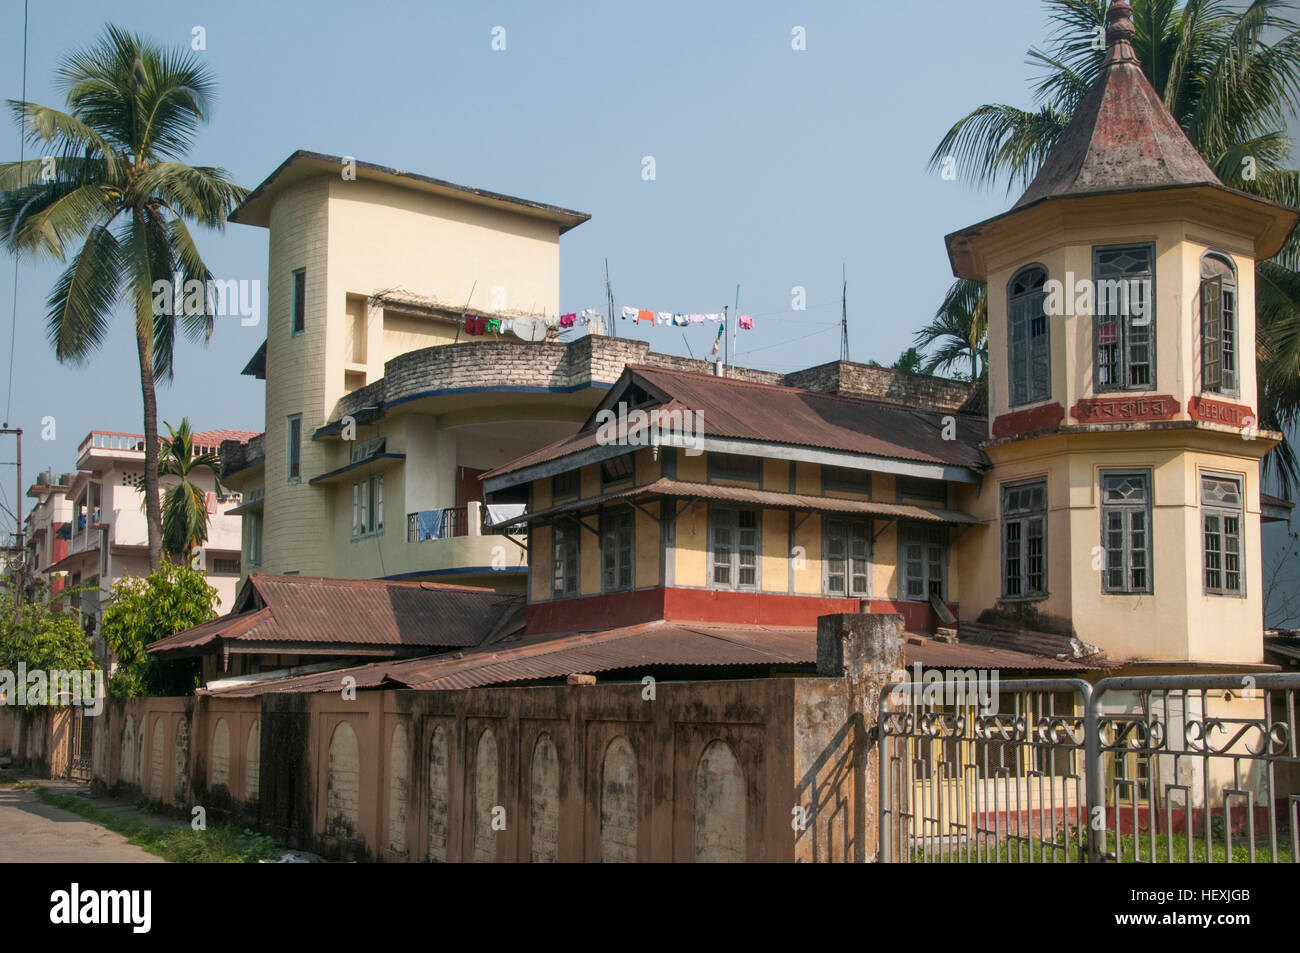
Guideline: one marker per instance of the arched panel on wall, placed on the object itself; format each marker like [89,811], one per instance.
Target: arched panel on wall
[399,756]
[156,759]
[439,791]
[139,754]
[126,770]
[253,762]
[343,784]
[181,754]
[721,806]
[487,773]
[618,793]
[219,770]
[544,801]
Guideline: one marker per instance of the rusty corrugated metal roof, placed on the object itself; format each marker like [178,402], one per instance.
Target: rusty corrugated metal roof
[682,489]
[320,611]
[649,645]
[769,413]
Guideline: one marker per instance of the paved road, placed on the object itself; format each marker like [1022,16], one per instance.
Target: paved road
[32,832]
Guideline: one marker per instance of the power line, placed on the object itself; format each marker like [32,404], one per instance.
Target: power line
[22,156]
[768,347]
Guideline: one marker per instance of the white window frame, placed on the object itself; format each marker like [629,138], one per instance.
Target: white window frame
[618,549]
[1222,512]
[368,507]
[1126,512]
[838,545]
[1022,519]
[566,559]
[933,541]
[729,554]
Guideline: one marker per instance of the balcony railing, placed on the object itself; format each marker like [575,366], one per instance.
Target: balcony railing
[437,524]
[127,443]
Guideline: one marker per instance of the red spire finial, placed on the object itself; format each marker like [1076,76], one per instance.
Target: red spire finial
[1120,32]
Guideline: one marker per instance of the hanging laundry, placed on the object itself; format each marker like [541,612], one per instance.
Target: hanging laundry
[696,319]
[679,320]
[665,317]
[590,316]
[629,313]
[745,323]
[718,340]
[645,316]
[551,320]
[568,320]
[507,324]
[494,325]
[475,326]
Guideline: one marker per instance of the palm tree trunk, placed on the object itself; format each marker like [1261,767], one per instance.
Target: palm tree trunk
[152,500]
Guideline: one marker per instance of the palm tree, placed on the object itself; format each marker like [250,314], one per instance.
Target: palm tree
[1229,73]
[184,506]
[111,180]
[958,327]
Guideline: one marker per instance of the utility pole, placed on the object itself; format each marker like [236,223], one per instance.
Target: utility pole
[19,549]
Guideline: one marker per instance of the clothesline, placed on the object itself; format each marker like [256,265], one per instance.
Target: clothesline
[680,319]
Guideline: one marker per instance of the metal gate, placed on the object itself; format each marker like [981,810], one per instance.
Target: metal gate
[1148,769]
[80,739]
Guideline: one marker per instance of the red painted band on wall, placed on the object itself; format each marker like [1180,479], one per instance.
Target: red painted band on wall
[1033,419]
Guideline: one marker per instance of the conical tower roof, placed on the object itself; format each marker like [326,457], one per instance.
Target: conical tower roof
[1122,139]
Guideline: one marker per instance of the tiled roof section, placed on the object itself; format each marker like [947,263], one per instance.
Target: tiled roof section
[769,413]
[215,437]
[1121,138]
[316,611]
[653,644]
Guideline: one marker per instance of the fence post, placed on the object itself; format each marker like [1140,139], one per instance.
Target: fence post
[1094,778]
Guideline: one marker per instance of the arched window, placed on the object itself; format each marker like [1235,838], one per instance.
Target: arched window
[1218,325]
[1029,369]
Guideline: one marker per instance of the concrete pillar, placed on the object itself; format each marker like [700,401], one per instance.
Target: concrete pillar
[866,651]
[474,517]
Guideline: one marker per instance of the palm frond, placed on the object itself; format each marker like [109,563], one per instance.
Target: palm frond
[81,304]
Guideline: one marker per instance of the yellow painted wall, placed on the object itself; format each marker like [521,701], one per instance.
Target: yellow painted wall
[540,564]
[648,468]
[690,554]
[647,548]
[776,475]
[808,580]
[774,571]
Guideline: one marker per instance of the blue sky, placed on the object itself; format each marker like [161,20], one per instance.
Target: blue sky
[773,166]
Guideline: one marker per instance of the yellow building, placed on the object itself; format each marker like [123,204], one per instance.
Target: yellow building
[379,405]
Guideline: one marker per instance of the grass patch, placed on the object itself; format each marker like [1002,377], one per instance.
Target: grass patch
[222,844]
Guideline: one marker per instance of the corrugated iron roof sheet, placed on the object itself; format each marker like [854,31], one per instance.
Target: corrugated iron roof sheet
[769,413]
[315,610]
[682,489]
[653,644]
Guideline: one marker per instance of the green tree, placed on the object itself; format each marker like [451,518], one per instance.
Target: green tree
[911,361]
[184,507]
[142,611]
[957,332]
[42,636]
[113,182]
[1229,73]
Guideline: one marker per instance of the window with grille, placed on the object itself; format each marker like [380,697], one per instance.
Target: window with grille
[565,563]
[1126,531]
[565,485]
[1028,337]
[1218,325]
[919,488]
[368,507]
[924,562]
[1221,515]
[225,567]
[295,447]
[1123,317]
[616,548]
[253,532]
[733,548]
[846,480]
[847,557]
[299,302]
[617,469]
[1024,540]
[734,466]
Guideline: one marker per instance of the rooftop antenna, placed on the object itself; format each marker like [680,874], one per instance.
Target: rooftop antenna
[735,322]
[844,314]
[609,297]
